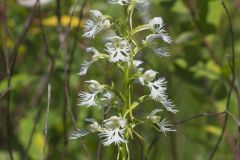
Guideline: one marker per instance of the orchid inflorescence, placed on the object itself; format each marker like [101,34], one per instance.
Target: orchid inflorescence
[121,50]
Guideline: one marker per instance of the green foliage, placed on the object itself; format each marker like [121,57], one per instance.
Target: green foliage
[198,72]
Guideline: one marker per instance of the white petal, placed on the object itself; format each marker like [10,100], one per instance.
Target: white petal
[84,67]
[92,50]
[87,99]
[162,34]
[142,5]
[166,38]
[165,126]
[137,63]
[95,86]
[154,112]
[158,89]
[119,49]
[157,23]
[79,133]
[162,52]
[95,14]
[31,3]
[90,29]
[148,76]
[95,24]
[114,122]
[152,37]
[169,105]
[120,2]
[107,98]
[113,136]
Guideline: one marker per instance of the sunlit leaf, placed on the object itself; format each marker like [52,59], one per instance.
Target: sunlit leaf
[214,12]
[185,37]
[5,155]
[209,70]
[213,67]
[18,81]
[25,128]
[179,7]
[181,63]
[213,130]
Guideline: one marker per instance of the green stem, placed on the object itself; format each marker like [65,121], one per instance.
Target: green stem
[123,152]
[128,67]
[131,14]
[118,155]
[125,88]
[128,153]
[140,28]
[135,104]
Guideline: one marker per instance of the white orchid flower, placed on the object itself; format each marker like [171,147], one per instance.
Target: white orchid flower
[148,76]
[162,52]
[165,126]
[94,126]
[158,92]
[88,99]
[86,64]
[142,5]
[157,89]
[96,24]
[96,55]
[118,49]
[84,67]
[114,131]
[107,98]
[95,86]
[137,63]
[120,2]
[157,26]
[153,117]
[169,105]
[32,3]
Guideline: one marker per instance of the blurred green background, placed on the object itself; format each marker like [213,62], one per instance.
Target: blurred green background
[197,71]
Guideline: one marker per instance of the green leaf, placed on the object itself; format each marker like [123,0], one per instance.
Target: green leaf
[185,37]
[209,70]
[5,155]
[221,105]
[213,67]
[25,128]
[18,81]
[179,7]
[213,130]
[181,63]
[214,12]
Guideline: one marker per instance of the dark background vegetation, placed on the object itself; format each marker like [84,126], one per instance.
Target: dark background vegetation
[37,50]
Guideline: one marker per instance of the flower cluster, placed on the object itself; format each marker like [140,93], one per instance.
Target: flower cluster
[112,130]
[121,50]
